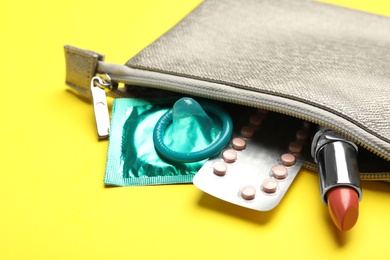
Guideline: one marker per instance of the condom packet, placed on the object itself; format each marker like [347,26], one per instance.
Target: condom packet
[132,159]
[259,163]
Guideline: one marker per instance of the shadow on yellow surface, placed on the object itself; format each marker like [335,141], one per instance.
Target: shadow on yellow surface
[226,208]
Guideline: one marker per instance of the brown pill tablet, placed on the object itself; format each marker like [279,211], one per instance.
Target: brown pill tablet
[238,143]
[302,135]
[219,168]
[269,186]
[248,193]
[255,120]
[263,113]
[247,131]
[229,156]
[295,147]
[306,125]
[279,172]
[288,159]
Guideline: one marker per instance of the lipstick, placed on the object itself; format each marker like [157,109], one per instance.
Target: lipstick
[339,178]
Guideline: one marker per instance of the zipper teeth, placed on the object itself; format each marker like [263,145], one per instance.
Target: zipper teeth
[366,176]
[310,166]
[380,176]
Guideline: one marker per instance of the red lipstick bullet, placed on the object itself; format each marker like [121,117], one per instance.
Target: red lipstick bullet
[339,177]
[343,204]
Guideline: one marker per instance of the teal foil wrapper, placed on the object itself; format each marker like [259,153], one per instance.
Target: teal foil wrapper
[132,159]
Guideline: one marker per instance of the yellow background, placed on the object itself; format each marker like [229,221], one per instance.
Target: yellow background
[52,199]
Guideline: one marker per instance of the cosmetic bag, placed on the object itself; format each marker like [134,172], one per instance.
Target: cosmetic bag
[324,64]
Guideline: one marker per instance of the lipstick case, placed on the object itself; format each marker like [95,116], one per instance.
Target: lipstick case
[301,58]
[337,163]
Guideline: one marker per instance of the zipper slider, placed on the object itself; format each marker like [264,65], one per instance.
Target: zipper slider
[99,87]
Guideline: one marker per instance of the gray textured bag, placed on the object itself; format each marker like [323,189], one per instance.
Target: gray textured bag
[325,64]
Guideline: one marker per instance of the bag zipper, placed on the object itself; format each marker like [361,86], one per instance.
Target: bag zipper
[99,87]
[109,76]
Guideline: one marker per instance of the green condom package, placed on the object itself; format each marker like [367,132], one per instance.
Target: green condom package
[132,159]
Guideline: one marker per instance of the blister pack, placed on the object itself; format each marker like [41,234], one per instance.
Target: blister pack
[260,162]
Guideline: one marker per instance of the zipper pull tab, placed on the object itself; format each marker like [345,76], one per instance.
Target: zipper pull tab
[100,107]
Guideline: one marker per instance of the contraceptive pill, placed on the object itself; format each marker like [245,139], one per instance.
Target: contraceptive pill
[279,172]
[248,192]
[269,186]
[302,135]
[219,168]
[229,155]
[288,159]
[238,143]
[295,147]
[255,120]
[260,162]
[247,131]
